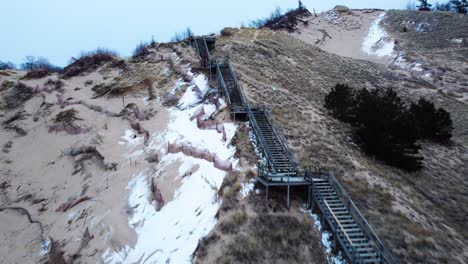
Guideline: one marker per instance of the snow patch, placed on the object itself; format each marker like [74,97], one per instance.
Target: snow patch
[171,235]
[247,187]
[403,63]
[377,41]
[456,40]
[422,28]
[326,240]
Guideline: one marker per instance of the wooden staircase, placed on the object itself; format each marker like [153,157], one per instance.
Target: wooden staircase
[232,87]
[349,227]
[277,151]
[202,49]
[279,168]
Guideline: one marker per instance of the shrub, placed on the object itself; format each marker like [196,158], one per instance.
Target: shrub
[179,36]
[461,6]
[37,74]
[33,63]
[232,224]
[261,22]
[443,6]
[341,102]
[88,61]
[7,65]
[386,129]
[38,67]
[424,6]
[17,95]
[140,50]
[432,123]
[243,249]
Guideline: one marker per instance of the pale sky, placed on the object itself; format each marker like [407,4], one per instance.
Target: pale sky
[60,29]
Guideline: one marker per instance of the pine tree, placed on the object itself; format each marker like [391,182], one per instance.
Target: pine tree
[386,129]
[443,6]
[301,6]
[341,102]
[461,6]
[432,123]
[424,6]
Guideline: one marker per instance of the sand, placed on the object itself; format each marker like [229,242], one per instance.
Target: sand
[38,174]
[343,34]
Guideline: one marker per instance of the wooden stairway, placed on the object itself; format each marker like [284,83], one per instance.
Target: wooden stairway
[346,229]
[232,87]
[202,49]
[350,229]
[274,145]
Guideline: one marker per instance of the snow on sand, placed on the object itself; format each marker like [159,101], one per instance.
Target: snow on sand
[172,234]
[377,42]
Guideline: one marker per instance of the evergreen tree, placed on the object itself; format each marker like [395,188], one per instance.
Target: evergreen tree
[341,102]
[424,6]
[301,6]
[461,6]
[386,129]
[443,6]
[432,123]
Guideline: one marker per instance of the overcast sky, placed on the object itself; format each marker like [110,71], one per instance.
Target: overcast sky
[60,29]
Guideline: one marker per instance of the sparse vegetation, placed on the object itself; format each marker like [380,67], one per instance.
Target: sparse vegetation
[88,61]
[282,238]
[38,67]
[443,6]
[460,6]
[17,95]
[68,116]
[142,49]
[54,84]
[230,195]
[279,20]
[424,5]
[432,123]
[262,22]
[179,36]
[232,223]
[7,65]
[7,84]
[385,127]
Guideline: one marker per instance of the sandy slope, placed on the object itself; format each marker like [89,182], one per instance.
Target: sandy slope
[39,174]
[414,213]
[345,34]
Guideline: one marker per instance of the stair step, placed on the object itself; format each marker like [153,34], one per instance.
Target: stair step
[372,260]
[349,226]
[352,230]
[365,249]
[343,218]
[362,245]
[337,207]
[358,240]
[346,221]
[340,213]
[368,255]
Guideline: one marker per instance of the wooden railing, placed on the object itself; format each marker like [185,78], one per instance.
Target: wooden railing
[368,231]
